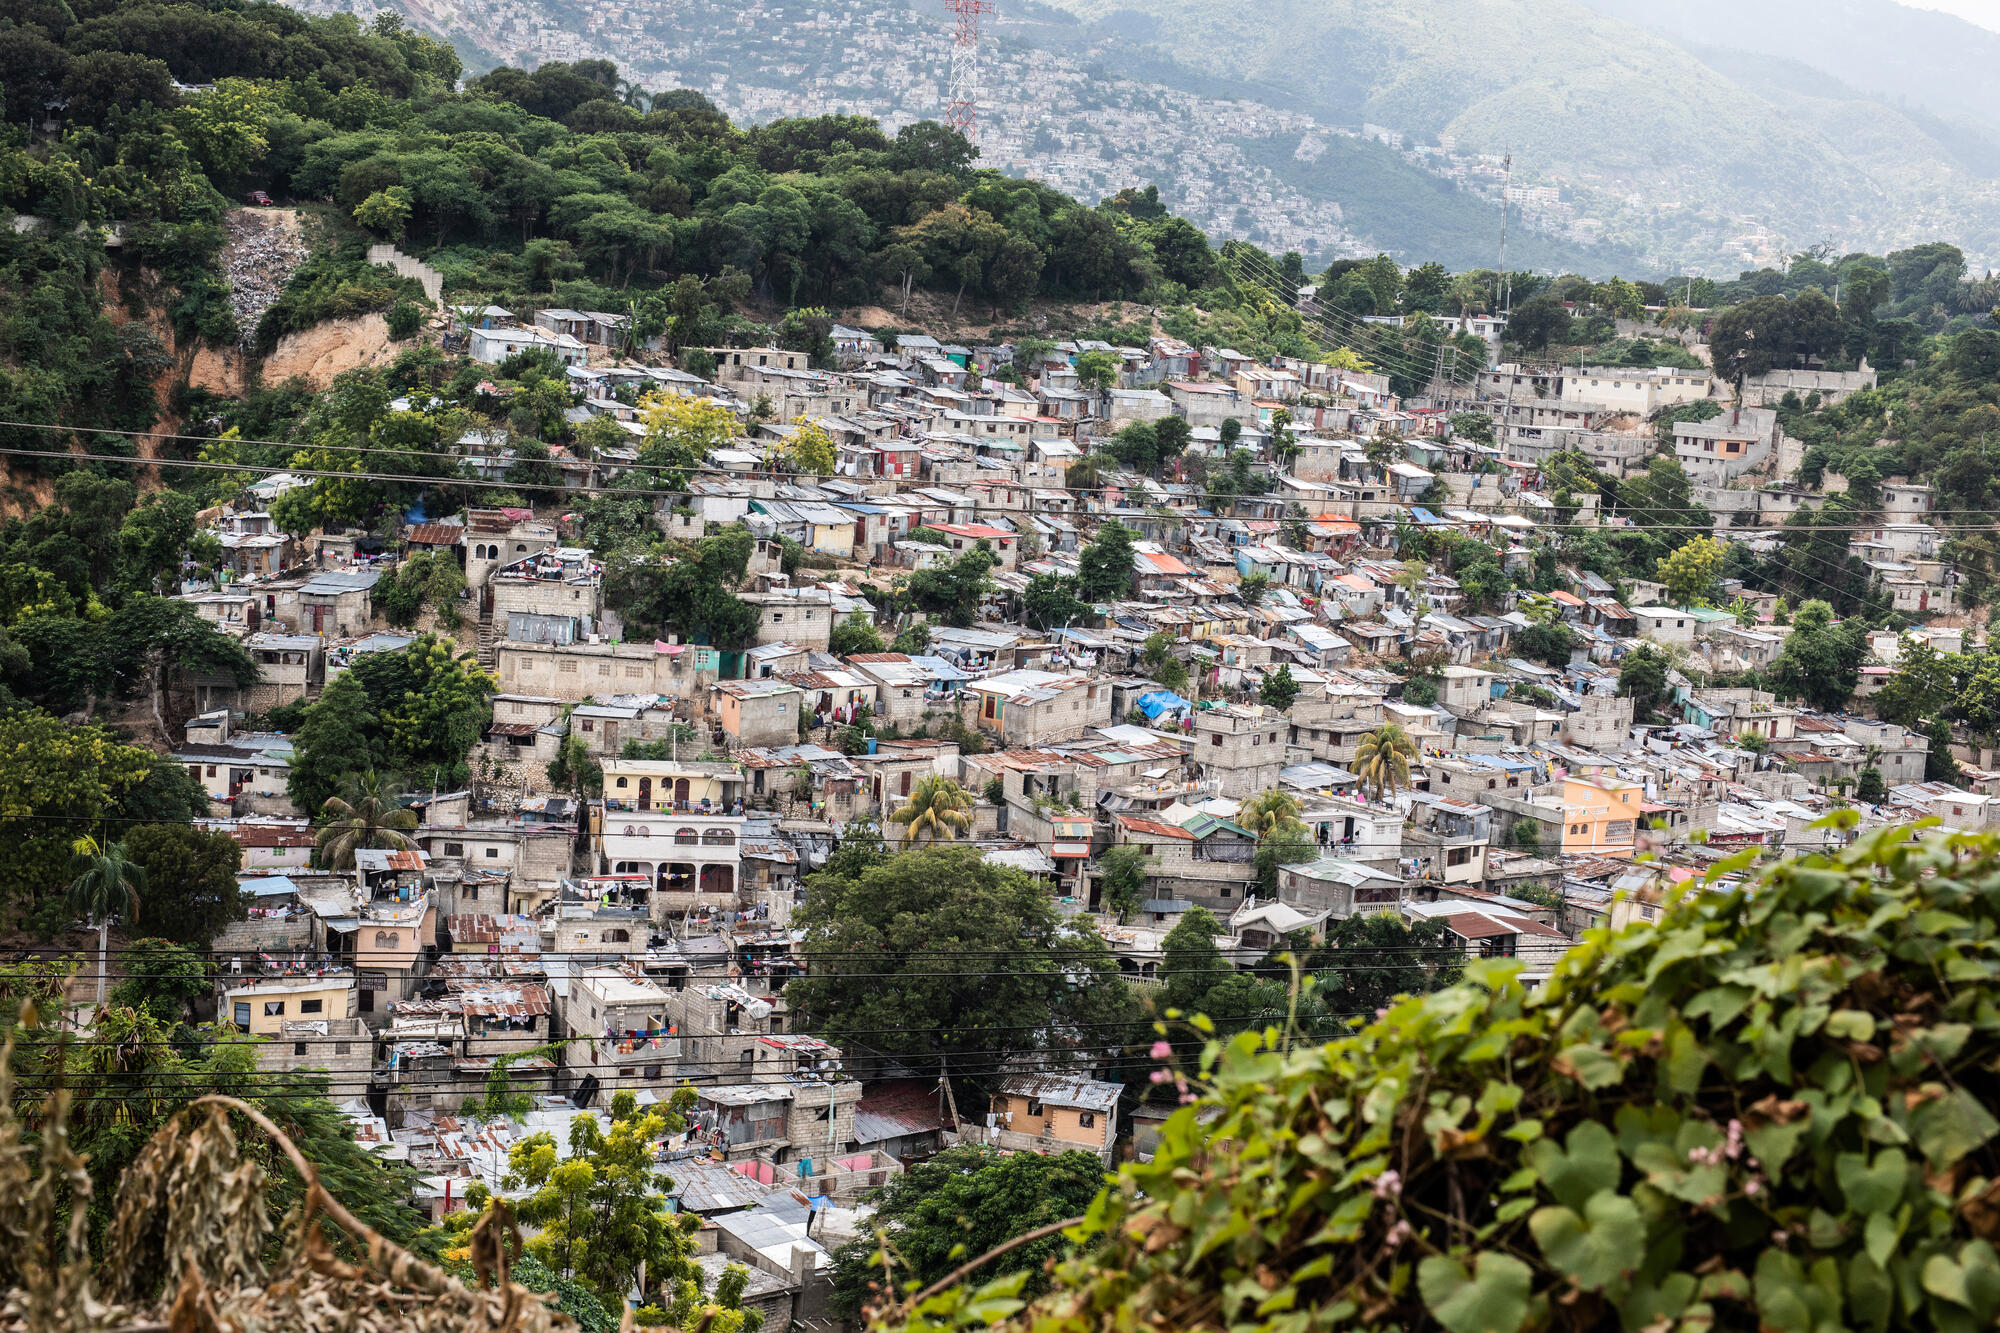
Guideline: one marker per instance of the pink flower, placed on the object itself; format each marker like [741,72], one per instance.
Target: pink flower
[1161,1076]
[1752,1188]
[1162,1051]
[1388,1183]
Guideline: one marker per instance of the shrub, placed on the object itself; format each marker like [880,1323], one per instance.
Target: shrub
[405,319]
[1768,1109]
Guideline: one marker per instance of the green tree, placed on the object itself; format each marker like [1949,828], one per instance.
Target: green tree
[164,979]
[1098,370]
[809,449]
[1050,602]
[599,1213]
[1157,656]
[333,743]
[952,592]
[1382,760]
[1105,568]
[1475,427]
[107,884]
[1277,848]
[1122,872]
[1538,322]
[431,703]
[368,814]
[913,639]
[1690,571]
[856,634]
[1366,962]
[386,212]
[1270,812]
[965,1201]
[937,808]
[1190,959]
[1869,786]
[1279,689]
[1586,1192]
[1821,661]
[427,579]
[1549,644]
[1923,685]
[1642,678]
[154,539]
[190,879]
[158,640]
[909,946]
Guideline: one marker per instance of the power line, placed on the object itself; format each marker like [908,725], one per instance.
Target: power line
[1355,330]
[406,479]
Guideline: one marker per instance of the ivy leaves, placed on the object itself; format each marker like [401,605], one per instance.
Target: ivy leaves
[1492,1298]
[1768,1110]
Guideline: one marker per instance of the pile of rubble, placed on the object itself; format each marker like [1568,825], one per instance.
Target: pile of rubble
[259,257]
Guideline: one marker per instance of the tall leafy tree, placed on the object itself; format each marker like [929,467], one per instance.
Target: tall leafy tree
[190,877]
[938,952]
[1821,661]
[1105,569]
[333,743]
[1279,689]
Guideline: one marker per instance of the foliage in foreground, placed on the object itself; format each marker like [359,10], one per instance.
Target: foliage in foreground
[1767,1111]
[964,1201]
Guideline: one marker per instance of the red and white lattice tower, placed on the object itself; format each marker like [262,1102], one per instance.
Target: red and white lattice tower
[961,110]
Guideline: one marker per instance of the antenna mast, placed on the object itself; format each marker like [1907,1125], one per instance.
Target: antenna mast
[1503,290]
[961,110]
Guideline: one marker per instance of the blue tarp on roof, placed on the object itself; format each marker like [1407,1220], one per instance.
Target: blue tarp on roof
[1427,518]
[1162,701]
[271,886]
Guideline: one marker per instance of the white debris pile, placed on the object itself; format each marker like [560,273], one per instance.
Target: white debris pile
[262,252]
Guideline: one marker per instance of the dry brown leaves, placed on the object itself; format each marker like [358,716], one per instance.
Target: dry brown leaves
[185,1247]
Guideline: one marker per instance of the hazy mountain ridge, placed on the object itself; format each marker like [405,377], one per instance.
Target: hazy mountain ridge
[1925,58]
[1593,99]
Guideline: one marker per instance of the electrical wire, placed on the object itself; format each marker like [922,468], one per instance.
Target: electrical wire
[1540,525]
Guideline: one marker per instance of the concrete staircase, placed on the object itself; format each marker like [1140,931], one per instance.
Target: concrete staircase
[410,267]
[489,639]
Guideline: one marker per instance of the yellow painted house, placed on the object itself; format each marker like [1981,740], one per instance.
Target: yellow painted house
[263,1008]
[1600,815]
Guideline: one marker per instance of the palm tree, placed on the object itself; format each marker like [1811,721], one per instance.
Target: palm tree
[369,814]
[1090,470]
[1270,812]
[107,884]
[939,808]
[633,95]
[1383,760]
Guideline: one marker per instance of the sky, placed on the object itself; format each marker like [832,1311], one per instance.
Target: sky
[1986,13]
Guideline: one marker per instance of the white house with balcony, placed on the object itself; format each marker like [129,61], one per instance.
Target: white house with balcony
[679,824]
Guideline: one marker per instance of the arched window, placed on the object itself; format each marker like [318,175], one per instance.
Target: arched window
[645,830]
[686,836]
[718,837]
[630,831]
[386,939]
